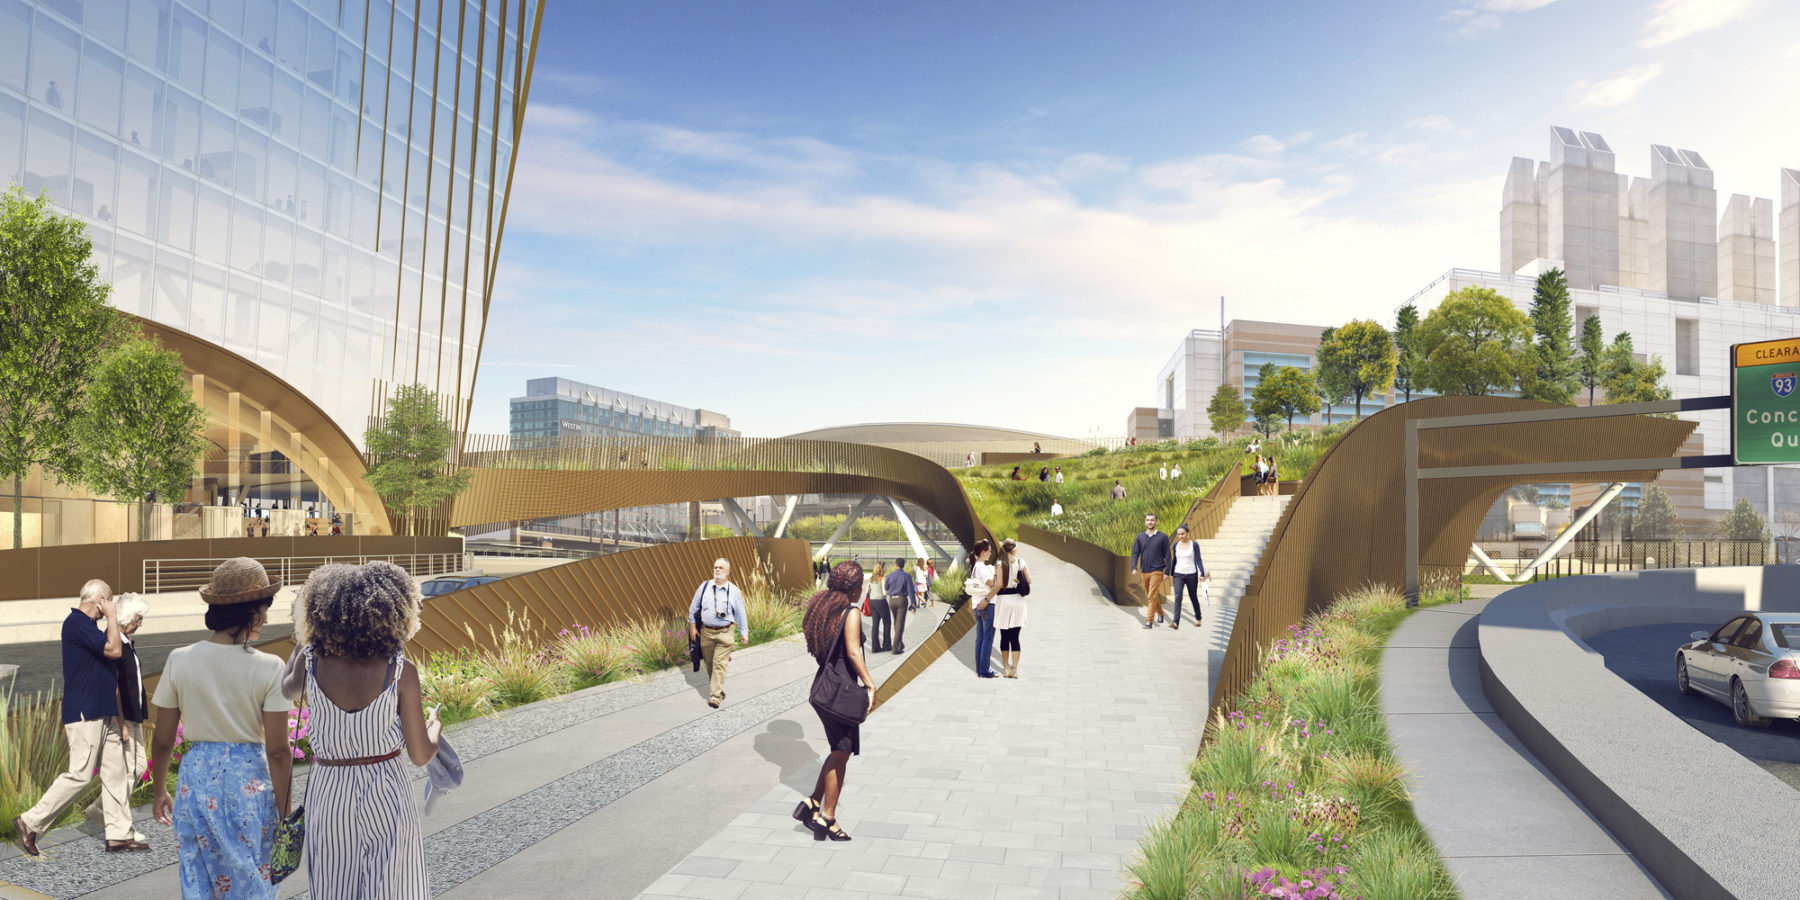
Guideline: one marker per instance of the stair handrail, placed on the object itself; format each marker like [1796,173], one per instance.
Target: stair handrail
[1209,510]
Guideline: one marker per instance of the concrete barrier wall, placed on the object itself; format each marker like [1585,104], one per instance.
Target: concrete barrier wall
[1707,822]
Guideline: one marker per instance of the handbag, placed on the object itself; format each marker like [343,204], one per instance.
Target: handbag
[865,607]
[1024,585]
[290,843]
[835,693]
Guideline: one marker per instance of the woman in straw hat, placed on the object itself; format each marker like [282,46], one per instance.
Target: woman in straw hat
[234,782]
[364,840]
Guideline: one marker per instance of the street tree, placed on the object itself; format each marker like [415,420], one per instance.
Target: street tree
[1356,361]
[1656,520]
[1227,410]
[1287,392]
[1554,369]
[1406,350]
[141,432]
[1475,342]
[410,449]
[1265,416]
[1743,523]
[1626,380]
[1591,370]
[54,325]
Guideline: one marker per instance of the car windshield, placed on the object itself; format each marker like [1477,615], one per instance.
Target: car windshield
[1787,635]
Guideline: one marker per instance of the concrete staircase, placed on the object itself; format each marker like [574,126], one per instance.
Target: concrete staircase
[1231,556]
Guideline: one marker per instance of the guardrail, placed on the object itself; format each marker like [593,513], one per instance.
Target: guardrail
[1209,512]
[164,575]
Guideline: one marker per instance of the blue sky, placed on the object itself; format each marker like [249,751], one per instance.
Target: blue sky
[808,214]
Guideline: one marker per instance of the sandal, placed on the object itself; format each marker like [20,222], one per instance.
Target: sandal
[804,811]
[827,828]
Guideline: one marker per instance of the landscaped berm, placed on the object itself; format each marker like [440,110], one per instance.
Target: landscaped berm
[1296,792]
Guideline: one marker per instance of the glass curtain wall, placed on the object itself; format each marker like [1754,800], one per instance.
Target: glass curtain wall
[317,185]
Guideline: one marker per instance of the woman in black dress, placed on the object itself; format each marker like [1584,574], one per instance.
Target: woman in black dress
[834,638]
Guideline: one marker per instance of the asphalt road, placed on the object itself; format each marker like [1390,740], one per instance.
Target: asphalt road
[1645,657]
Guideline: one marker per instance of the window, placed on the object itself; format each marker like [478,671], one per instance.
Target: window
[1687,346]
[181,129]
[142,113]
[290,44]
[175,219]
[96,170]
[12,135]
[284,122]
[102,81]
[255,86]
[222,69]
[15,37]
[1750,636]
[259,25]
[131,275]
[187,51]
[47,152]
[1786,636]
[137,193]
[53,60]
[212,232]
[147,41]
[1729,629]
[246,237]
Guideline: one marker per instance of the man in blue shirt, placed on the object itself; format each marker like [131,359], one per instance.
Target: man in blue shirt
[1150,562]
[900,590]
[720,606]
[90,717]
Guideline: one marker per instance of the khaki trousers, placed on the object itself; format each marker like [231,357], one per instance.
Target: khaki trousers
[92,743]
[715,648]
[1152,583]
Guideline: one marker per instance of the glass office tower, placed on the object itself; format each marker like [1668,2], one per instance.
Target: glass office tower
[316,185]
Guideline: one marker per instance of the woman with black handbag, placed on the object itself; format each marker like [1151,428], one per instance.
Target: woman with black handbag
[843,692]
[1009,614]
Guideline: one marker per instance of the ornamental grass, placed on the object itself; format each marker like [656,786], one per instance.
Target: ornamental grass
[1296,793]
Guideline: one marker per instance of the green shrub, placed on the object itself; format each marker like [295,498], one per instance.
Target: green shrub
[518,673]
[654,646]
[455,682]
[591,657]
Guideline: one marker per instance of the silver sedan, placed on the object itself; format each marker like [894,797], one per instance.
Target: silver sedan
[1749,664]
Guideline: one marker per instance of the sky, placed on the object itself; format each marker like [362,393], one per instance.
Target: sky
[805,214]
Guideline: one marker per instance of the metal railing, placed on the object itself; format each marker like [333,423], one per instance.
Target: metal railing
[1209,511]
[163,575]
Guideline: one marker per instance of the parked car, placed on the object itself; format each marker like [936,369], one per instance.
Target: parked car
[1750,664]
[446,584]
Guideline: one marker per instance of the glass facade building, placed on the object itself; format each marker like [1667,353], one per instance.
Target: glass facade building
[554,407]
[316,185]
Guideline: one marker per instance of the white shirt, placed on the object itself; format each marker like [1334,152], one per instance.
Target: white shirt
[981,571]
[1059,476]
[1185,553]
[1055,508]
[1262,466]
[1175,472]
[1163,473]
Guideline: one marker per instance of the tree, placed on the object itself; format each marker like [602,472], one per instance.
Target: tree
[1743,523]
[1554,367]
[1227,410]
[1626,380]
[1592,369]
[1475,342]
[1285,393]
[1264,415]
[1656,520]
[141,432]
[1356,360]
[1406,350]
[54,324]
[411,450]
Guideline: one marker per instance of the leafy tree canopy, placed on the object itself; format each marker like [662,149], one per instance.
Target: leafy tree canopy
[1227,410]
[142,433]
[1743,523]
[1475,342]
[1356,361]
[411,451]
[1656,519]
[1285,393]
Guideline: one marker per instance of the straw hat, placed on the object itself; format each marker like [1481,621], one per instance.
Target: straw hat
[239,580]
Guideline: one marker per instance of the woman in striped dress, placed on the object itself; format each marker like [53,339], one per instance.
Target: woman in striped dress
[363,837]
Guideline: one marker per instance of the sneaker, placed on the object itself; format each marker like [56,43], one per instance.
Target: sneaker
[1148,624]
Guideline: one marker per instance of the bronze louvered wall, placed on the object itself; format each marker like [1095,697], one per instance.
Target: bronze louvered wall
[1345,527]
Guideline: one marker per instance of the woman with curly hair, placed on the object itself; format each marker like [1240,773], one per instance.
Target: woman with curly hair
[834,638]
[363,837]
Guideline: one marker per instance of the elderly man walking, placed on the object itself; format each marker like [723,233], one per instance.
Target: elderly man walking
[720,607]
[90,716]
[900,589]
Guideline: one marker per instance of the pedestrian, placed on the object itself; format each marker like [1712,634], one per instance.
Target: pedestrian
[969,461]
[834,638]
[900,589]
[1272,484]
[90,722]
[881,625]
[134,707]
[931,577]
[1162,472]
[235,777]
[1036,448]
[720,605]
[983,581]
[1262,473]
[1015,476]
[1189,569]
[1059,475]
[1255,446]
[1118,491]
[1009,619]
[365,708]
[1044,473]
[921,583]
[1150,562]
[1055,508]
[1175,473]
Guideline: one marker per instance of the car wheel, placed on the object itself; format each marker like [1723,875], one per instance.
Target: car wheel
[1741,711]
[1681,676]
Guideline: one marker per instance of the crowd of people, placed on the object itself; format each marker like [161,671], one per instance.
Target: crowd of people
[231,704]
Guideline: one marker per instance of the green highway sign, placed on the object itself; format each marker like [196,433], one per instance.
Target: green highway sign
[1765,406]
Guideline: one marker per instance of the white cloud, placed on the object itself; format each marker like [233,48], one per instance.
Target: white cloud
[1484,16]
[1264,145]
[1431,124]
[1513,5]
[1615,91]
[1677,19]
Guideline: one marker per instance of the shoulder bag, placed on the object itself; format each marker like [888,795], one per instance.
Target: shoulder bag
[835,692]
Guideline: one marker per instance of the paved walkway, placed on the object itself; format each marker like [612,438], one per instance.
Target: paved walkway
[1035,787]
[1505,826]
